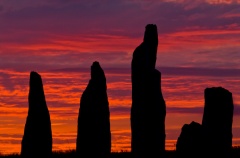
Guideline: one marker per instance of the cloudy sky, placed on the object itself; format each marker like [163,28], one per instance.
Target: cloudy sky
[199,47]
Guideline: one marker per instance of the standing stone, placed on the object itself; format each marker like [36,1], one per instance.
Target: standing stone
[217,122]
[37,138]
[189,143]
[148,109]
[94,136]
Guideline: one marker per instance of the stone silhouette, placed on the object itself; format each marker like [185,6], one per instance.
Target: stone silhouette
[148,109]
[217,122]
[37,138]
[94,136]
[189,143]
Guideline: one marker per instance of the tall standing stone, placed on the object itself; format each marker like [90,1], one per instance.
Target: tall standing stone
[148,109]
[217,122]
[94,136]
[37,138]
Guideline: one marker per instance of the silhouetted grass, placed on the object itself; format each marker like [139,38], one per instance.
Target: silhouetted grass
[72,154]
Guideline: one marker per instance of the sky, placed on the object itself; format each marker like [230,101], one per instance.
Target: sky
[199,47]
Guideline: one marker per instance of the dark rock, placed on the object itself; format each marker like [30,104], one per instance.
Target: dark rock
[217,122]
[189,143]
[37,138]
[148,109]
[94,136]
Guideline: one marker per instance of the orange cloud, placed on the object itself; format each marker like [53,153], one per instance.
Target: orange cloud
[63,91]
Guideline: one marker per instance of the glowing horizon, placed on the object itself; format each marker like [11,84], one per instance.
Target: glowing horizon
[181,108]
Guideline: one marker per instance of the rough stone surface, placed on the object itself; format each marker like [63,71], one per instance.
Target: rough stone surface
[94,136]
[37,138]
[217,122]
[148,109]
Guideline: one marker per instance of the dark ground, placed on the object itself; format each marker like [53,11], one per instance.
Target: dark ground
[71,154]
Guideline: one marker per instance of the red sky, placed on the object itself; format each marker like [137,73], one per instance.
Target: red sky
[199,47]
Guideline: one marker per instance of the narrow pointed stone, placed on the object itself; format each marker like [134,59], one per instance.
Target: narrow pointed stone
[148,109]
[94,136]
[37,137]
[217,122]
